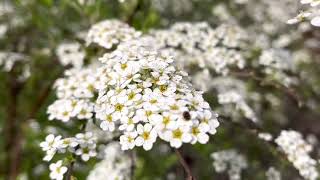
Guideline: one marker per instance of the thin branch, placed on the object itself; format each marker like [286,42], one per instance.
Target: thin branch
[12,127]
[15,140]
[184,165]
[289,91]
[70,168]
[254,130]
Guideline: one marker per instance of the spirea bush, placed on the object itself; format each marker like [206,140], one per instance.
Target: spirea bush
[159,89]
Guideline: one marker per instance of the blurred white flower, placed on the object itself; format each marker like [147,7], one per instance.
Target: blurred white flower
[57,170]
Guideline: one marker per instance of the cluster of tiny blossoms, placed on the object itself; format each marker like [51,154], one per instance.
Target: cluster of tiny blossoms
[71,54]
[297,150]
[231,161]
[75,93]
[8,60]
[275,63]
[110,32]
[83,145]
[234,97]
[312,13]
[115,165]
[273,174]
[199,44]
[146,97]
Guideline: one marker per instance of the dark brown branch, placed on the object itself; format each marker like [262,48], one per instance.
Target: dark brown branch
[14,130]
[184,165]
[12,127]
[70,170]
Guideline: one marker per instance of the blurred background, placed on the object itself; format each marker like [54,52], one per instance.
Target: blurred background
[31,31]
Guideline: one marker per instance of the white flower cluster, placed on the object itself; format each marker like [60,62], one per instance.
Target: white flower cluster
[108,33]
[273,174]
[115,165]
[9,59]
[275,62]
[83,145]
[199,44]
[74,98]
[276,58]
[313,13]
[233,97]
[297,150]
[231,161]
[5,9]
[147,97]
[71,54]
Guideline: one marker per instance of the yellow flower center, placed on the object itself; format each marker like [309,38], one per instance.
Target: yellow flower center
[118,107]
[163,88]
[109,118]
[148,113]
[153,101]
[174,107]
[131,95]
[145,135]
[177,134]
[124,66]
[195,131]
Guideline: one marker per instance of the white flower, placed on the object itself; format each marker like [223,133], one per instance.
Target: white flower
[299,18]
[71,54]
[57,170]
[178,136]
[231,161]
[69,142]
[273,174]
[128,122]
[86,139]
[87,145]
[51,145]
[199,133]
[86,152]
[265,136]
[311,2]
[110,32]
[297,150]
[108,118]
[115,164]
[316,21]
[127,140]
[51,142]
[146,136]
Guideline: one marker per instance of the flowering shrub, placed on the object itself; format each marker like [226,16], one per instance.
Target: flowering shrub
[158,89]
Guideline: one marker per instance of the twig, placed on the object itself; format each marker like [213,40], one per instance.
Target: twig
[70,168]
[12,128]
[16,138]
[184,165]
